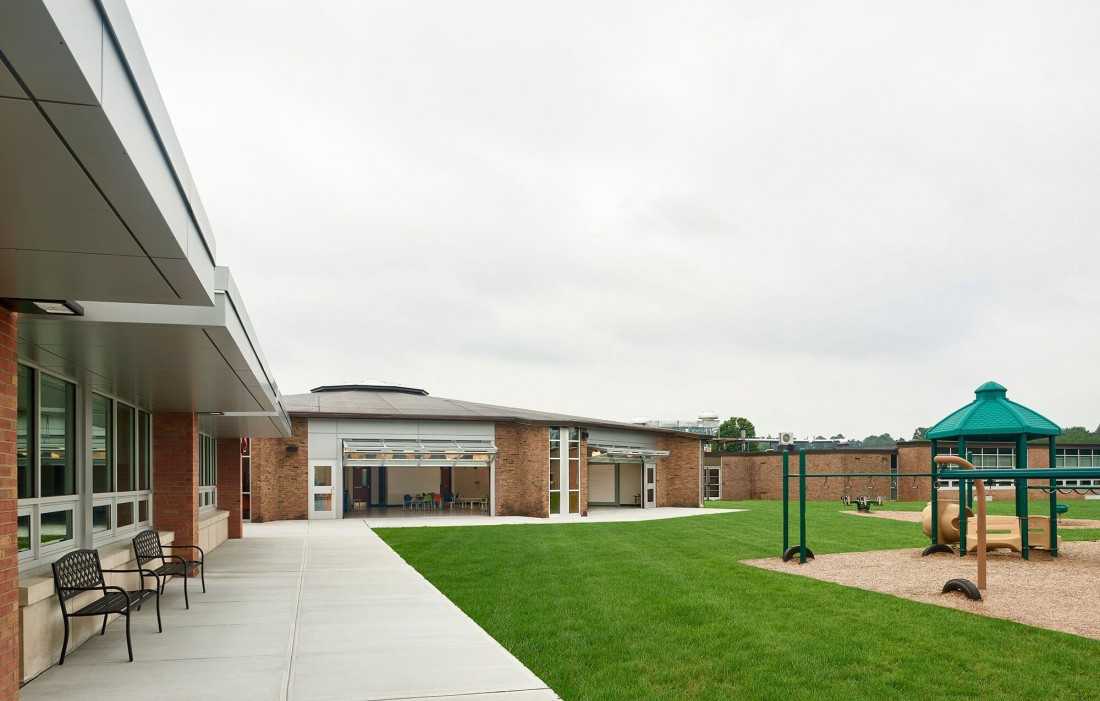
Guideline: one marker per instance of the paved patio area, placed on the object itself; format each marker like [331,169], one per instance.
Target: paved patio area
[304,611]
[397,518]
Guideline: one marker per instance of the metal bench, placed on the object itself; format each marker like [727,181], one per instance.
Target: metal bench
[79,572]
[147,548]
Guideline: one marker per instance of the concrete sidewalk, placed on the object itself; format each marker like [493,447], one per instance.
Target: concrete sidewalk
[299,610]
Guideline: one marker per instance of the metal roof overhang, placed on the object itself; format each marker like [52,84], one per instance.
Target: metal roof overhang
[612,453]
[96,200]
[166,359]
[387,452]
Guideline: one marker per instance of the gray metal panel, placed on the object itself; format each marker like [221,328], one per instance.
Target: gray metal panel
[37,174]
[81,276]
[41,54]
[8,85]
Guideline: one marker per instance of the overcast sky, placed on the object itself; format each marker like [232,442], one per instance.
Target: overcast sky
[827,217]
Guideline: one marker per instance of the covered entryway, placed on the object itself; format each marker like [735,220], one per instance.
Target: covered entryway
[418,476]
[622,475]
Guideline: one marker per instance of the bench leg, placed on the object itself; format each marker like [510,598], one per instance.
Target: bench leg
[186,602]
[65,641]
[129,646]
[103,630]
[202,574]
[160,626]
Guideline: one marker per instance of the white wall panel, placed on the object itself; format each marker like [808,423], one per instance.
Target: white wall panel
[630,482]
[410,480]
[601,484]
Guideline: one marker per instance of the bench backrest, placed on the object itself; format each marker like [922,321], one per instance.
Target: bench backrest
[147,547]
[80,570]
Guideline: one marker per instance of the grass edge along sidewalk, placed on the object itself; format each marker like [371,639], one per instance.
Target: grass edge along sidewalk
[665,610]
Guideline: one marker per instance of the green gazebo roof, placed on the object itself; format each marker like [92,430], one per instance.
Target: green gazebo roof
[994,417]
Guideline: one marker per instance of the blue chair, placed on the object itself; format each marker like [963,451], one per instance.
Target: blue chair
[449,501]
[407,503]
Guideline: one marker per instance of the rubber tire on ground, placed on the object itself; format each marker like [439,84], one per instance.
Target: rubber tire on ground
[793,552]
[937,548]
[965,586]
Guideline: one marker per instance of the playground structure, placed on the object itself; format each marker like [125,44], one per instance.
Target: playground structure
[991,417]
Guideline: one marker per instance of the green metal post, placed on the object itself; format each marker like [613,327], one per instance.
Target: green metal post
[1021,495]
[802,506]
[935,500]
[786,500]
[1053,499]
[962,517]
[970,483]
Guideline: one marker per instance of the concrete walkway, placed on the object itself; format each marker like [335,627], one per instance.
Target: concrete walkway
[397,518]
[298,610]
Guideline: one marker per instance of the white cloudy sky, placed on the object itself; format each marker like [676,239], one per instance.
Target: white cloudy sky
[828,217]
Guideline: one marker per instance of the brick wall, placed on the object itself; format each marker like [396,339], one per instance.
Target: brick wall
[229,483]
[176,475]
[280,480]
[583,476]
[10,647]
[523,470]
[678,475]
[760,475]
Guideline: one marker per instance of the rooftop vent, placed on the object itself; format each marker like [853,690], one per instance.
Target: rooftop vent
[370,388]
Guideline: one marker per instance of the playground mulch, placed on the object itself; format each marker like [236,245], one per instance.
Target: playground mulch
[1045,592]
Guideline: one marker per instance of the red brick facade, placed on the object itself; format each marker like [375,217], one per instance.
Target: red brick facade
[9,548]
[523,470]
[678,475]
[759,475]
[176,475]
[280,478]
[229,483]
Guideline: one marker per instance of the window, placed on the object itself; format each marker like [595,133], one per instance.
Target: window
[102,441]
[57,435]
[1077,457]
[246,479]
[565,467]
[985,457]
[64,502]
[208,472]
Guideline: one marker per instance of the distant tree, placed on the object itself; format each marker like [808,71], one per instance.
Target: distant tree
[878,441]
[920,433]
[1079,434]
[837,437]
[731,428]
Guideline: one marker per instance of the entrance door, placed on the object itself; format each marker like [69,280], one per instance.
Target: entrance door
[322,489]
[713,483]
[649,484]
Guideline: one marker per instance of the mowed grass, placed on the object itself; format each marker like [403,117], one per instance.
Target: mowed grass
[665,610]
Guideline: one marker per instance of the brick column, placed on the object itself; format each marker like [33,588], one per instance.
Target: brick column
[10,643]
[176,475]
[229,483]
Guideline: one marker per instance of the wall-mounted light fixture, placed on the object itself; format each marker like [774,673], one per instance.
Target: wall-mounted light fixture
[56,307]
[292,448]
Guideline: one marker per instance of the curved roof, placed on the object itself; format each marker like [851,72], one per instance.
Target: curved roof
[992,416]
[394,402]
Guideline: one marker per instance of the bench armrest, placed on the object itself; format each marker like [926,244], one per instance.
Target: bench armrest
[142,572]
[202,555]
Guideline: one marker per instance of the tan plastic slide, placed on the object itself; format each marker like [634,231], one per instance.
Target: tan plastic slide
[1000,531]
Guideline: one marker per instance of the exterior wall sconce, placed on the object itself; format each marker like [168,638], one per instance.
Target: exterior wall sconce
[57,307]
[292,448]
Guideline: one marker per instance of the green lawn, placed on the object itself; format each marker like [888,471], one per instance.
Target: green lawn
[664,610]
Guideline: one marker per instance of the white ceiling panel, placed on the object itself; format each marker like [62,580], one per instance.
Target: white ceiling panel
[8,85]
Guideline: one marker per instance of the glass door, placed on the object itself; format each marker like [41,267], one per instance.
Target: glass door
[713,485]
[322,490]
[649,484]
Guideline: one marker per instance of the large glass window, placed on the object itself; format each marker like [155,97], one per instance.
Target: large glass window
[102,441]
[124,465]
[564,470]
[208,472]
[24,435]
[57,435]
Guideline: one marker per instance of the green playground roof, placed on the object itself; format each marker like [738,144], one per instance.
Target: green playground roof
[992,416]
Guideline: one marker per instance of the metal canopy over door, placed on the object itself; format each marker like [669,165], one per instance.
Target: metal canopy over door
[322,489]
[649,483]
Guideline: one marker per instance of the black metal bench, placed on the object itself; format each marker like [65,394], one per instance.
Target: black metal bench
[147,548]
[79,572]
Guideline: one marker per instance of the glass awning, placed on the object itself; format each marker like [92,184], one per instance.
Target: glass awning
[385,452]
[610,452]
